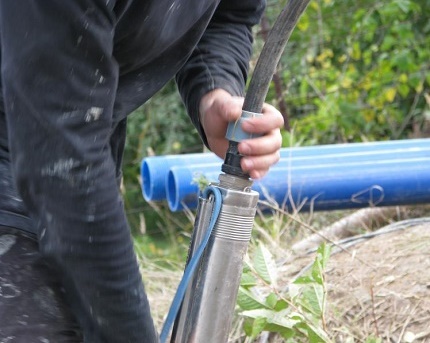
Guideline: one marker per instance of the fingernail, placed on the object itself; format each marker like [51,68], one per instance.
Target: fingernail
[256,175]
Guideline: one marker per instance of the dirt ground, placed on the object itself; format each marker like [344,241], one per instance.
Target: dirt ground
[378,287]
[381,287]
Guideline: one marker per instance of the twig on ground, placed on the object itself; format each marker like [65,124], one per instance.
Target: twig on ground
[372,297]
[346,227]
[325,238]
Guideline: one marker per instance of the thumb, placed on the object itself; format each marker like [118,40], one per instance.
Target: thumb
[219,105]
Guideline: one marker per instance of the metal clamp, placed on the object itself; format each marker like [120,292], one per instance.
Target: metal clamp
[234,129]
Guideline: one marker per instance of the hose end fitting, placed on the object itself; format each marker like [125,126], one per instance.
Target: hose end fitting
[235,134]
[232,160]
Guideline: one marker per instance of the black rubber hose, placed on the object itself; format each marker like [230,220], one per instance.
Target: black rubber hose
[263,73]
[271,54]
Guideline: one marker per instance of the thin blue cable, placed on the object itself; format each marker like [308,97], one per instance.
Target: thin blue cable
[190,268]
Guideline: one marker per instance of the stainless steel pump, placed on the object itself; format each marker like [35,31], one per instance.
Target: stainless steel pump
[208,306]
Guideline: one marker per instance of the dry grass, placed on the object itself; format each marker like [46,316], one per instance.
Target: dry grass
[390,300]
[161,293]
[381,287]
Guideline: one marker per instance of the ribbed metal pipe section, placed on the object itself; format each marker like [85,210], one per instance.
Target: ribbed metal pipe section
[234,226]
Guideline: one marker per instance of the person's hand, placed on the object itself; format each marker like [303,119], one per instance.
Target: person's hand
[218,108]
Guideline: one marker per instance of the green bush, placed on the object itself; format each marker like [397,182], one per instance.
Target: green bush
[357,70]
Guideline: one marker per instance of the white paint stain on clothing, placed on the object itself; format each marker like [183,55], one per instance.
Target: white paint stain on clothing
[8,290]
[174,6]
[44,297]
[93,114]
[60,168]
[43,233]
[6,242]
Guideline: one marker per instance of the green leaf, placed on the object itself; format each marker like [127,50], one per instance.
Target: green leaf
[356,51]
[247,326]
[404,61]
[257,326]
[414,80]
[279,318]
[281,305]
[272,300]
[404,5]
[314,333]
[372,339]
[303,23]
[303,280]
[388,42]
[312,299]
[403,90]
[323,253]
[265,265]
[283,331]
[257,322]
[304,88]
[317,273]
[249,301]
[248,280]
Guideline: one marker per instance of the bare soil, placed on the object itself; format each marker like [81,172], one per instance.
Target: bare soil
[381,288]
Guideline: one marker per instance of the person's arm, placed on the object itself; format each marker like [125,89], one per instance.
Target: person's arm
[222,56]
[212,85]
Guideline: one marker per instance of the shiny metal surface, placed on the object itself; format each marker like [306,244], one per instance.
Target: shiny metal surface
[208,306]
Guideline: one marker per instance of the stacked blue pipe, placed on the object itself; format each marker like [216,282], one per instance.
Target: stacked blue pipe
[324,177]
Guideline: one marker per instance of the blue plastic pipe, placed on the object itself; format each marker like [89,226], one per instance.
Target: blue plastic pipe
[350,185]
[181,190]
[327,186]
[154,170]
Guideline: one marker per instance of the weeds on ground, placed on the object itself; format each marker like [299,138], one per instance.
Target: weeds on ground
[296,314]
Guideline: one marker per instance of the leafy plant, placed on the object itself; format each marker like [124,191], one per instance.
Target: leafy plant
[298,313]
[357,70]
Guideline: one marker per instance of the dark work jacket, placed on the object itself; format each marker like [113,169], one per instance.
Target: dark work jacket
[71,72]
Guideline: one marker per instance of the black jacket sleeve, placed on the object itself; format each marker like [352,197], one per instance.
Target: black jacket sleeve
[221,58]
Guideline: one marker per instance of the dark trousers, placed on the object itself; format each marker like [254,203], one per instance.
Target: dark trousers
[62,133]
[32,307]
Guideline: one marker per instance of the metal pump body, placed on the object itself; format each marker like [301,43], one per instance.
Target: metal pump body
[208,306]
